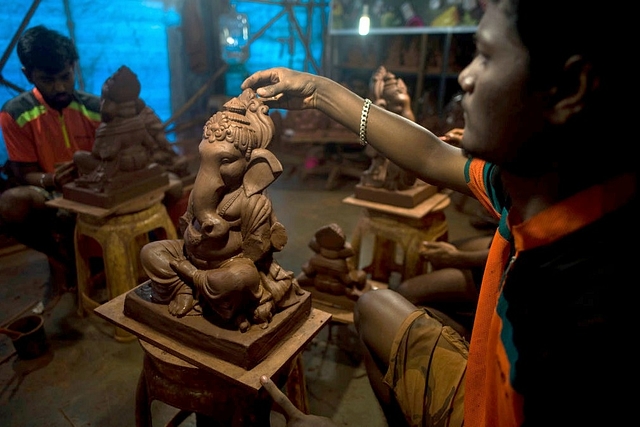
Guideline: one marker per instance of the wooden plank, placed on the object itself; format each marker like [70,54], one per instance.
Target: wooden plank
[133,205]
[437,202]
[408,198]
[339,306]
[276,360]
[338,314]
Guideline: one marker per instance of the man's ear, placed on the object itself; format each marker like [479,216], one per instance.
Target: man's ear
[570,95]
[27,74]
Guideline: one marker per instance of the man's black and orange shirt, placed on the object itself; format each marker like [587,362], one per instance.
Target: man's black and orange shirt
[36,133]
[555,319]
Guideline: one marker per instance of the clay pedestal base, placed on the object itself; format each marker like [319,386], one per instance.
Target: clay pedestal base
[408,198]
[136,184]
[229,394]
[244,349]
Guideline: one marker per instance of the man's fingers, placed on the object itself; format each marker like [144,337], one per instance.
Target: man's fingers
[279,398]
[261,79]
[266,94]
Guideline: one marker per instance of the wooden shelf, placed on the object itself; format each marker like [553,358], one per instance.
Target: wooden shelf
[381,47]
[460,29]
[400,70]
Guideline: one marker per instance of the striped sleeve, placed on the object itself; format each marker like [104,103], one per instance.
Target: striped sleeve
[481,178]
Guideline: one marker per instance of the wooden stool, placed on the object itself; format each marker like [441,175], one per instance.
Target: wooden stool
[398,228]
[219,392]
[177,383]
[121,236]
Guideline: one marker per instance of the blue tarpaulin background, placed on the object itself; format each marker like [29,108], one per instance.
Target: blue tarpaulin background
[111,33]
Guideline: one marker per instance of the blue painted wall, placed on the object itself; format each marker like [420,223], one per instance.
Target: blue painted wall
[273,48]
[280,44]
[110,33]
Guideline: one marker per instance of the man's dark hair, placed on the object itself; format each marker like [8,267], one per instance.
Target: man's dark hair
[553,31]
[45,49]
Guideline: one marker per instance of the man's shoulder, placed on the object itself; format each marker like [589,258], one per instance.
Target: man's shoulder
[89,100]
[586,257]
[21,103]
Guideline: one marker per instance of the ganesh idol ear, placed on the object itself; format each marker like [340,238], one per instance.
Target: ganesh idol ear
[263,169]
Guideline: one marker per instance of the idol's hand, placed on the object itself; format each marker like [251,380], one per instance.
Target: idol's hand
[64,174]
[184,269]
[284,88]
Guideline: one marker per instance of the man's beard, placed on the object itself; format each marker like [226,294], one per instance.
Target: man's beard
[60,101]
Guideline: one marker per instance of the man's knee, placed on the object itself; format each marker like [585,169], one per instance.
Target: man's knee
[16,203]
[382,302]
[366,305]
[378,316]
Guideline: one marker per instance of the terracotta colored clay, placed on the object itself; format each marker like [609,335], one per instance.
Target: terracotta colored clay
[131,153]
[329,270]
[223,267]
[389,92]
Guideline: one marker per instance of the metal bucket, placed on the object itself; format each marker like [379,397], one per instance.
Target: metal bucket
[33,341]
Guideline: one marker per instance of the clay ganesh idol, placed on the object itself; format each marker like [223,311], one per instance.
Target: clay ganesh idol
[329,269]
[131,150]
[223,267]
[389,92]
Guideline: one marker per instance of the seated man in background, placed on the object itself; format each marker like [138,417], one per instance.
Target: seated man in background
[42,129]
[451,289]
[46,129]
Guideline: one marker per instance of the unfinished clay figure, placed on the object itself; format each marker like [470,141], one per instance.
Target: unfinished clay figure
[328,269]
[130,142]
[389,92]
[223,267]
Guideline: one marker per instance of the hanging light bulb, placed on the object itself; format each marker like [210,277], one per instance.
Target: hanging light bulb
[365,22]
[234,36]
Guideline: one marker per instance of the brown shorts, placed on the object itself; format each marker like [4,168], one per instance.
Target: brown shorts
[427,370]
